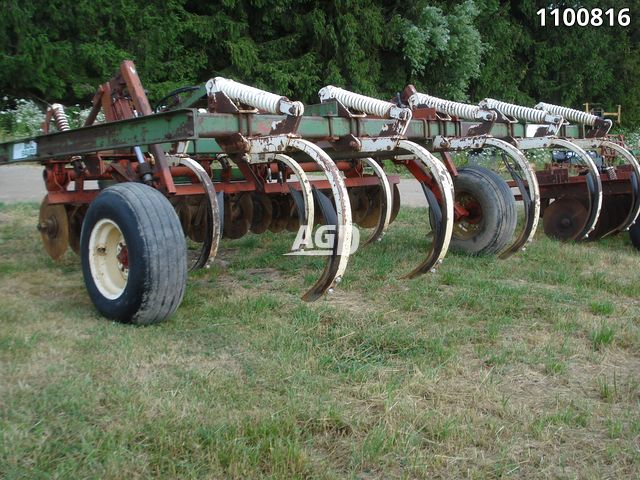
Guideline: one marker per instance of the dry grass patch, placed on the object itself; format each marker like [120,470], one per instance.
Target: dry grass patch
[524,368]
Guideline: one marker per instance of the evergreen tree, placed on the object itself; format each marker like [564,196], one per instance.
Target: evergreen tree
[61,50]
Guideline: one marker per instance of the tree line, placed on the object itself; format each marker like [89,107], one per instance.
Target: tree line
[60,50]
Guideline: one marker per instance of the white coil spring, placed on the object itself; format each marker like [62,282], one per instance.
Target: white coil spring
[518,111]
[569,113]
[60,117]
[254,97]
[457,109]
[361,103]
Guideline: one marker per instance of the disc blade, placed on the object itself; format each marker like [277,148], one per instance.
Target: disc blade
[396,202]
[564,218]
[76,217]
[262,213]
[326,208]
[281,213]
[198,219]
[359,204]
[53,225]
[238,214]
[370,220]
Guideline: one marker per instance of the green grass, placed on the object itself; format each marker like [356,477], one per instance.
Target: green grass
[602,336]
[526,368]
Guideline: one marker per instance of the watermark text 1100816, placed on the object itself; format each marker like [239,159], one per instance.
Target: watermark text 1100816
[584,17]
[322,241]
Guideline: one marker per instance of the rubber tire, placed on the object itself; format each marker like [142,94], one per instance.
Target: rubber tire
[157,252]
[498,209]
[634,234]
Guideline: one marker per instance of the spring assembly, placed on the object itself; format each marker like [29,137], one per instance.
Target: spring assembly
[517,111]
[610,171]
[570,114]
[254,97]
[60,117]
[364,104]
[457,109]
[523,113]
[62,124]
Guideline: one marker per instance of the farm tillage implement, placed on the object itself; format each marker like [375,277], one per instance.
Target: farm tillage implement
[224,159]
[590,172]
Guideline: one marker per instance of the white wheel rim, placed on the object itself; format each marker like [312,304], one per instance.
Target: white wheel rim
[108,259]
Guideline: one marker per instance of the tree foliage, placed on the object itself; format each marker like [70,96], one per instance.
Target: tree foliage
[465,50]
[527,63]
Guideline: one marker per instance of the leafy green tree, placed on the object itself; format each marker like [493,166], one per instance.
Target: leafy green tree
[441,51]
[61,50]
[64,49]
[526,62]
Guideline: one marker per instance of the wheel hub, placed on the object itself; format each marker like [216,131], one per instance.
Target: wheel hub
[470,225]
[108,258]
[122,256]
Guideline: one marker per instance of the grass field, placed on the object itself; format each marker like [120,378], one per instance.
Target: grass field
[523,368]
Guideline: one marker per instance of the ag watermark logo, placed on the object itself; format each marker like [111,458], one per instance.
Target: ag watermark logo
[322,241]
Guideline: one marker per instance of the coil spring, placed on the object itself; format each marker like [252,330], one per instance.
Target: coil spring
[457,109]
[518,111]
[361,103]
[60,117]
[569,113]
[248,95]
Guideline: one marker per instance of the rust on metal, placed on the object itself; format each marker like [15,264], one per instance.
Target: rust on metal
[242,165]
